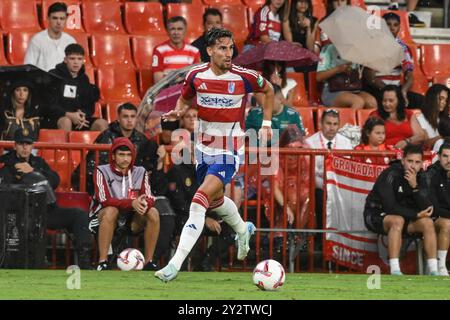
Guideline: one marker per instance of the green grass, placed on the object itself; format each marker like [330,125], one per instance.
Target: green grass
[50,284]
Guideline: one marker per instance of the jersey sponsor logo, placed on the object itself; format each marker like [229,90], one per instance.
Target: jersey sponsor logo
[192,226]
[222,173]
[216,101]
[400,189]
[231,87]
[260,81]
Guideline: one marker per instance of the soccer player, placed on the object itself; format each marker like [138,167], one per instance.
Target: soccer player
[439,191]
[123,198]
[220,88]
[398,204]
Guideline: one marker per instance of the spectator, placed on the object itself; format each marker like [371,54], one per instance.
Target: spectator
[19,111]
[46,48]
[301,27]
[292,137]
[342,81]
[147,151]
[275,72]
[439,193]
[327,138]
[434,110]
[74,99]
[401,125]
[212,18]
[411,5]
[376,81]
[174,53]
[20,163]
[398,205]
[123,198]
[282,115]
[373,138]
[267,24]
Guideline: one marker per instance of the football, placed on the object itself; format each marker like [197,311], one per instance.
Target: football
[130,259]
[269,275]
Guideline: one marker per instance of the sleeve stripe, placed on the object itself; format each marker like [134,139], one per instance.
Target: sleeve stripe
[148,190]
[101,188]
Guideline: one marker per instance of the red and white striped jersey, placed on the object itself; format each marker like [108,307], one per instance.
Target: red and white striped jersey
[166,57]
[221,103]
[265,23]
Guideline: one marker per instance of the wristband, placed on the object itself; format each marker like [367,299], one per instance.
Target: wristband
[267,123]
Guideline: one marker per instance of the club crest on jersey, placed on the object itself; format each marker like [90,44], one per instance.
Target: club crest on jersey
[231,87]
[260,81]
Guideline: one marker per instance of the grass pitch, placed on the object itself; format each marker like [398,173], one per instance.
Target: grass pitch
[51,284]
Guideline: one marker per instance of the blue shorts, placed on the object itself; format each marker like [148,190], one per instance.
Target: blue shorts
[222,166]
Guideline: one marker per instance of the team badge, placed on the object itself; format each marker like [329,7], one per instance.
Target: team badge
[188,182]
[25,132]
[260,81]
[231,87]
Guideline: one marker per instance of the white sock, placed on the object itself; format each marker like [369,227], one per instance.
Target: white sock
[432,264]
[442,257]
[394,264]
[191,230]
[230,214]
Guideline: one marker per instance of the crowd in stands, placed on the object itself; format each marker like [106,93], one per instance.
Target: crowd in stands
[399,116]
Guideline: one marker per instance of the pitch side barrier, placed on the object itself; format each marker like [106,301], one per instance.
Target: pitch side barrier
[297,166]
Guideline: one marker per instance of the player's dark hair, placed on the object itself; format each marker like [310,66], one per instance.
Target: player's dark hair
[74,48]
[445,145]
[176,19]
[391,16]
[412,149]
[215,34]
[57,7]
[370,123]
[126,106]
[211,12]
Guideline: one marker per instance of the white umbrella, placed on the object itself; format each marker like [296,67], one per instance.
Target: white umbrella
[363,38]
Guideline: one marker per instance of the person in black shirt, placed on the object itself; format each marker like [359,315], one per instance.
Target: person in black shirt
[212,18]
[21,162]
[399,203]
[438,180]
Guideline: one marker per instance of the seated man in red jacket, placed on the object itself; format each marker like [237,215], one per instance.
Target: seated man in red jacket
[123,198]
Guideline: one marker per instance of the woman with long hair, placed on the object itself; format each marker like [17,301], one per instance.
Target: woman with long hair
[434,110]
[300,26]
[19,111]
[401,124]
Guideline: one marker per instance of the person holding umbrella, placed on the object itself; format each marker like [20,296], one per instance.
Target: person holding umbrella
[19,111]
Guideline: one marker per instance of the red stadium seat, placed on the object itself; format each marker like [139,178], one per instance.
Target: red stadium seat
[442,79]
[143,49]
[56,159]
[314,88]
[19,15]
[17,44]
[74,23]
[254,2]
[300,97]
[145,80]
[215,3]
[251,10]
[307,115]
[102,17]
[144,18]
[346,115]
[235,19]
[111,49]
[319,9]
[421,83]
[117,83]
[362,115]
[90,72]
[193,13]
[83,40]
[85,137]
[434,59]
[98,111]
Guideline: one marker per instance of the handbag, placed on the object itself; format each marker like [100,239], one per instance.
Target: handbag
[345,81]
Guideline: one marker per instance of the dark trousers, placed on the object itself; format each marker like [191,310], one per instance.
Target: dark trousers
[73,220]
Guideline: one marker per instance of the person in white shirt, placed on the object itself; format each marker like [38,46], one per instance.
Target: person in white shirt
[327,138]
[46,48]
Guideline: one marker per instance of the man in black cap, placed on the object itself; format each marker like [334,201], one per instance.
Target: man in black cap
[20,163]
